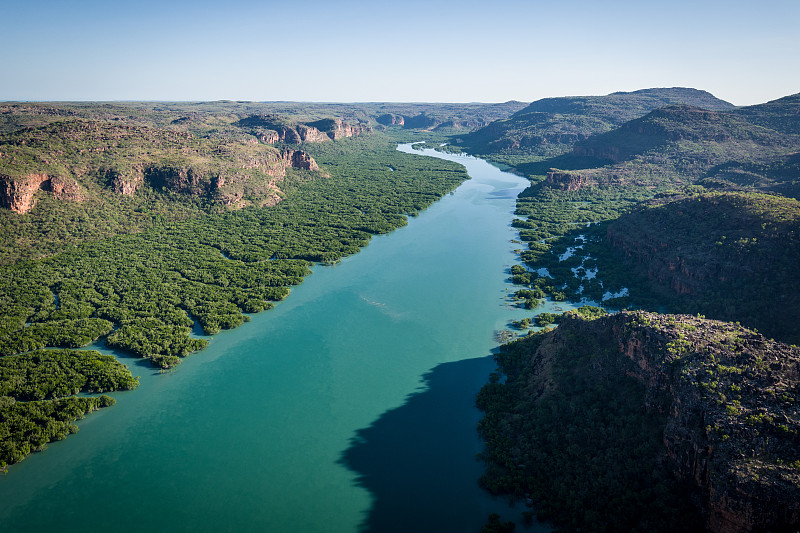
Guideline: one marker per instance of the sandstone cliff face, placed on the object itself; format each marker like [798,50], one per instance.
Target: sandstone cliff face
[17,194]
[336,128]
[390,119]
[270,129]
[299,159]
[233,187]
[732,254]
[566,181]
[725,396]
[311,134]
[732,418]
[125,159]
[126,183]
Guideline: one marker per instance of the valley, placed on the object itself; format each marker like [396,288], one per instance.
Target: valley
[146,228]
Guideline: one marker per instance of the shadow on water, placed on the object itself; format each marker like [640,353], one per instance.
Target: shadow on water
[419,460]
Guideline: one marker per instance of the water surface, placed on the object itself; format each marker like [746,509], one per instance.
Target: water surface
[348,407]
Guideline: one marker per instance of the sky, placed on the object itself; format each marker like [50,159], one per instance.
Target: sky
[745,52]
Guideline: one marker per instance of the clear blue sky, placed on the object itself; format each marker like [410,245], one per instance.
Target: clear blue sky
[745,52]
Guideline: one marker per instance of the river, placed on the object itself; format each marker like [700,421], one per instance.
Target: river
[349,407]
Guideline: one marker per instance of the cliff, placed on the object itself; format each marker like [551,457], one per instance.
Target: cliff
[712,406]
[728,255]
[76,160]
[566,181]
[271,129]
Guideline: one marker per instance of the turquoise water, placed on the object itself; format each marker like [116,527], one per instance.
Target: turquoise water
[348,407]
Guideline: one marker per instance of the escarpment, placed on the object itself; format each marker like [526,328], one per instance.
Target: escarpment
[711,405]
[566,181]
[75,160]
[270,129]
[17,194]
[727,255]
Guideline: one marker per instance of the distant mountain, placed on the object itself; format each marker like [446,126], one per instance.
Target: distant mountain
[550,126]
[446,117]
[682,144]
[781,115]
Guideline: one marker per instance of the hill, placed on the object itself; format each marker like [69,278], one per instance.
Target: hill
[549,127]
[78,180]
[639,421]
[727,255]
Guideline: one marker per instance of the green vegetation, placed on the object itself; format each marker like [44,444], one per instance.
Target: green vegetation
[602,423]
[214,268]
[551,126]
[702,167]
[580,447]
[27,427]
[50,374]
[33,387]
[666,212]
[135,222]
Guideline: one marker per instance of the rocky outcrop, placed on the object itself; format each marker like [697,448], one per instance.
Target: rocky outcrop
[65,189]
[125,183]
[268,136]
[77,159]
[17,194]
[566,181]
[270,129]
[725,396]
[456,124]
[336,128]
[422,121]
[299,159]
[390,119]
[311,134]
[732,429]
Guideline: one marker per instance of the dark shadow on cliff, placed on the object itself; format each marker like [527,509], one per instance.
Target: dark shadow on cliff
[418,461]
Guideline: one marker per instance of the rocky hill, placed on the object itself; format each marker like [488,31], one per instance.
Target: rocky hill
[728,255]
[445,117]
[679,145]
[551,126]
[648,422]
[781,115]
[271,129]
[79,160]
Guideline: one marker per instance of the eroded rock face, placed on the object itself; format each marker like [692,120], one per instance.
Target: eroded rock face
[77,159]
[565,181]
[336,128]
[66,189]
[299,159]
[311,134]
[126,183]
[724,395]
[390,119]
[729,422]
[17,194]
[270,129]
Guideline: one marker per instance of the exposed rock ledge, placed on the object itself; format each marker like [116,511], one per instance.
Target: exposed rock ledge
[17,194]
[727,397]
